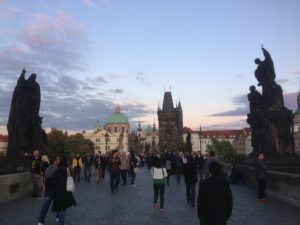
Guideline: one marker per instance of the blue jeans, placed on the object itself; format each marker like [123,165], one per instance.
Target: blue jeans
[61,215]
[48,198]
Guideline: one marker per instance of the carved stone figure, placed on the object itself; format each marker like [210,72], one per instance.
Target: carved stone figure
[271,122]
[25,133]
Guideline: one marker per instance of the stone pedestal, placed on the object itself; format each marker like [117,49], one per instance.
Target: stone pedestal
[13,186]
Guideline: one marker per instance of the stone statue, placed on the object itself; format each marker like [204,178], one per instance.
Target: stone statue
[188,143]
[25,133]
[254,98]
[121,137]
[271,122]
[265,72]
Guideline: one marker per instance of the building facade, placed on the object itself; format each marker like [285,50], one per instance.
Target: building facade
[170,121]
[114,135]
[3,144]
[148,138]
[240,139]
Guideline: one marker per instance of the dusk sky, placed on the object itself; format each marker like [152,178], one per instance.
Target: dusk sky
[90,55]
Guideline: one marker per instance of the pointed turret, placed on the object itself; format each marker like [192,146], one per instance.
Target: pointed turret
[154,127]
[179,105]
[168,102]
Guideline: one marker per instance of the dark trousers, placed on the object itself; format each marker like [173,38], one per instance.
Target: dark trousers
[124,176]
[159,189]
[168,177]
[190,193]
[178,175]
[103,172]
[114,180]
[133,175]
[77,170]
[48,198]
[87,173]
[262,184]
[36,182]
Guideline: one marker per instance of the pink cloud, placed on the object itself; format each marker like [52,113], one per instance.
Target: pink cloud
[89,3]
[7,10]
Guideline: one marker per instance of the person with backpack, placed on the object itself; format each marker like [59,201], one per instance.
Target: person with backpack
[49,188]
[159,174]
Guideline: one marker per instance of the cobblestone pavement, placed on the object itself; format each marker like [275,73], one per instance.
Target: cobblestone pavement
[134,206]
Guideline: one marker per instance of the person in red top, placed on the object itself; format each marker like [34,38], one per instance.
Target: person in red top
[114,169]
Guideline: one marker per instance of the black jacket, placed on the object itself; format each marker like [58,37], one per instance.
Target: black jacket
[214,201]
[62,198]
[260,170]
[189,171]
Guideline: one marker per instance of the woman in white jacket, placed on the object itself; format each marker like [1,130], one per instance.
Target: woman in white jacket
[159,174]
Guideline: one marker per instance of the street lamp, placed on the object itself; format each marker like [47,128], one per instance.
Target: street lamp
[106,136]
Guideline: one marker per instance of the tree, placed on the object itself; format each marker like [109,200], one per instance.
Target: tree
[62,144]
[224,150]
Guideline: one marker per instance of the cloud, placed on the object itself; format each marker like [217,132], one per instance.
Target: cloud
[242,104]
[296,72]
[282,81]
[55,47]
[101,79]
[8,11]
[116,76]
[89,3]
[239,76]
[116,91]
[226,126]
[140,77]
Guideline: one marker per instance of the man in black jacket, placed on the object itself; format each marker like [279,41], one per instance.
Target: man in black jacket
[49,188]
[214,198]
[261,176]
[190,178]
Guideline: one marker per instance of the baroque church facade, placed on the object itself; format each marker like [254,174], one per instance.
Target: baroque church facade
[170,121]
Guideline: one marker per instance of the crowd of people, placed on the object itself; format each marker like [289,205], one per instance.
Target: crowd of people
[54,180]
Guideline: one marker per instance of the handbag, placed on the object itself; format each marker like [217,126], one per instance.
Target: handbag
[136,170]
[70,182]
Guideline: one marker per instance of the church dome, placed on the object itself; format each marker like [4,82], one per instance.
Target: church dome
[117,117]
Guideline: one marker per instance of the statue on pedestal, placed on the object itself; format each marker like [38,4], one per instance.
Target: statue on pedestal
[271,122]
[25,133]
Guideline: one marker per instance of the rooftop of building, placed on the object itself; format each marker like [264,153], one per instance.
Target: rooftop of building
[3,138]
[226,134]
[117,117]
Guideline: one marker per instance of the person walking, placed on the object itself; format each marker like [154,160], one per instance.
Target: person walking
[211,158]
[201,164]
[124,167]
[178,166]
[168,164]
[159,174]
[35,173]
[77,165]
[104,164]
[88,162]
[98,167]
[190,179]
[133,168]
[62,198]
[261,176]
[49,188]
[44,165]
[114,169]
[215,197]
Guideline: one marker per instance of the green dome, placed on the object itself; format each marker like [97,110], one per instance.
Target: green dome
[117,117]
[148,129]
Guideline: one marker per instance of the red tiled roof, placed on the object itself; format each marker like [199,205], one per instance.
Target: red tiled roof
[220,134]
[3,138]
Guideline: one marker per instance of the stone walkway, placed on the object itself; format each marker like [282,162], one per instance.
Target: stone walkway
[134,206]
